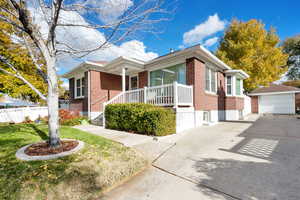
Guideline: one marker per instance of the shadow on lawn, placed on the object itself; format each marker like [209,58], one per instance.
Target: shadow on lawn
[30,180]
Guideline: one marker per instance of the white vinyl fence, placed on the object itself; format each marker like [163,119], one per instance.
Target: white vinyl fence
[18,115]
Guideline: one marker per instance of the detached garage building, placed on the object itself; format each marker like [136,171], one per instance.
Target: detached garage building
[275,99]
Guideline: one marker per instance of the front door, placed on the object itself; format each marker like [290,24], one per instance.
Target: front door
[133,82]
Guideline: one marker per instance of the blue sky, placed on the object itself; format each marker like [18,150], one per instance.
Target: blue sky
[282,15]
[194,22]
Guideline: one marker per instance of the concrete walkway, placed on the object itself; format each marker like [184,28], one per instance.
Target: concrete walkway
[231,160]
[151,147]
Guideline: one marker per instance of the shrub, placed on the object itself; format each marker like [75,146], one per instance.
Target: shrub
[140,118]
[70,118]
[74,121]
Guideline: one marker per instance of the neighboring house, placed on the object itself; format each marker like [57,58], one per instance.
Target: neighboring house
[200,87]
[8,102]
[275,99]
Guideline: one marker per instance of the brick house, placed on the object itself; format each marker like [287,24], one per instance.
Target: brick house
[200,87]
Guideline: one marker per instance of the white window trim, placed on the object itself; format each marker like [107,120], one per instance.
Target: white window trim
[232,86]
[135,75]
[75,87]
[241,88]
[210,80]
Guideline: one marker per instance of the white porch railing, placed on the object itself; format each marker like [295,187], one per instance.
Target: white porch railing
[165,95]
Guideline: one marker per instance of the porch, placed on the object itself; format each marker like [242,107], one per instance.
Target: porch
[164,95]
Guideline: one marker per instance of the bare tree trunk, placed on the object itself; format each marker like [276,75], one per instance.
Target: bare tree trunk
[52,99]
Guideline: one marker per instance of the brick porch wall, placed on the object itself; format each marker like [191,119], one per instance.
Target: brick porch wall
[143,79]
[234,103]
[254,104]
[104,86]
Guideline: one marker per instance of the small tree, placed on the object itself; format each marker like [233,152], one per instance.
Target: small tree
[248,46]
[137,16]
[291,46]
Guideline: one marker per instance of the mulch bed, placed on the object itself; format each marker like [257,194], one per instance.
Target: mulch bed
[43,148]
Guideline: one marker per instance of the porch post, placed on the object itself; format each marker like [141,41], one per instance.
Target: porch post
[123,79]
[175,88]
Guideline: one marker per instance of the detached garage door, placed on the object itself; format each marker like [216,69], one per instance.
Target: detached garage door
[277,104]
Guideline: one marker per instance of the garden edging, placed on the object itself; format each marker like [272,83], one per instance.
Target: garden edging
[20,154]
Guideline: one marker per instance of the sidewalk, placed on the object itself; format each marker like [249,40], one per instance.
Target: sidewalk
[151,146]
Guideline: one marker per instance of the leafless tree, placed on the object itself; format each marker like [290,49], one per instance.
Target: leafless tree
[140,15]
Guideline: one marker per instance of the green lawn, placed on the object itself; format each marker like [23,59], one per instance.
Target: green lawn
[84,175]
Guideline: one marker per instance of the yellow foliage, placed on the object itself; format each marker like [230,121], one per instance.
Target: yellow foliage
[18,55]
[250,47]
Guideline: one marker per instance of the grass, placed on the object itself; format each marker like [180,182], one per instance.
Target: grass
[84,175]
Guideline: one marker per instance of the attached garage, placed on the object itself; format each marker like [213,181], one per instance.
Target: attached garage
[276,99]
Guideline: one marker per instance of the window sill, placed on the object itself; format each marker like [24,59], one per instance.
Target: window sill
[211,93]
[81,97]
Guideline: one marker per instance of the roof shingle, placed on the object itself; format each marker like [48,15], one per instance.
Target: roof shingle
[275,88]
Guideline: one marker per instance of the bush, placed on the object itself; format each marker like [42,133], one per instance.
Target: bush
[74,121]
[70,118]
[140,118]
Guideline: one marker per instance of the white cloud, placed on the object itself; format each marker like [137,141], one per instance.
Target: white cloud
[211,26]
[84,38]
[112,9]
[211,41]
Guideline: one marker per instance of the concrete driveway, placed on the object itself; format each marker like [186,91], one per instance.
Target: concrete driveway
[231,160]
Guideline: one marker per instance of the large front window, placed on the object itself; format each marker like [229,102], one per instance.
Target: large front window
[168,75]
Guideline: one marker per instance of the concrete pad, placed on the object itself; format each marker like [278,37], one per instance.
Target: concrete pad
[154,184]
[257,160]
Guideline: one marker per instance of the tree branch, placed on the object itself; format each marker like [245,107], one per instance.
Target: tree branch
[19,76]
[35,60]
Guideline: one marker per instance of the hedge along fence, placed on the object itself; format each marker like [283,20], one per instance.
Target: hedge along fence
[140,118]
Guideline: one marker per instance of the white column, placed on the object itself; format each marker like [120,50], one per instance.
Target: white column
[123,79]
[175,88]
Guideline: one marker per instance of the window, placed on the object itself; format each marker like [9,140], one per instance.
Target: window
[206,116]
[134,82]
[80,87]
[210,80]
[238,86]
[229,85]
[213,81]
[168,75]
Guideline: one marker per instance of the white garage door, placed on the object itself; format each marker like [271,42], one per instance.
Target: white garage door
[277,104]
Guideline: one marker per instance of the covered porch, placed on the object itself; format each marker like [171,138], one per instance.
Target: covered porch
[163,87]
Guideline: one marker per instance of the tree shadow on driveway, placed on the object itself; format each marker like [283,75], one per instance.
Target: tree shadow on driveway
[264,165]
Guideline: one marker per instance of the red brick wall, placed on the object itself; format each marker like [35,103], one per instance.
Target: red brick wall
[143,79]
[234,103]
[195,70]
[254,104]
[76,105]
[104,86]
[297,100]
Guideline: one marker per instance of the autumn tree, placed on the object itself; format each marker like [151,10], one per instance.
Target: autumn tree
[11,47]
[291,46]
[252,48]
[60,15]
[294,83]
